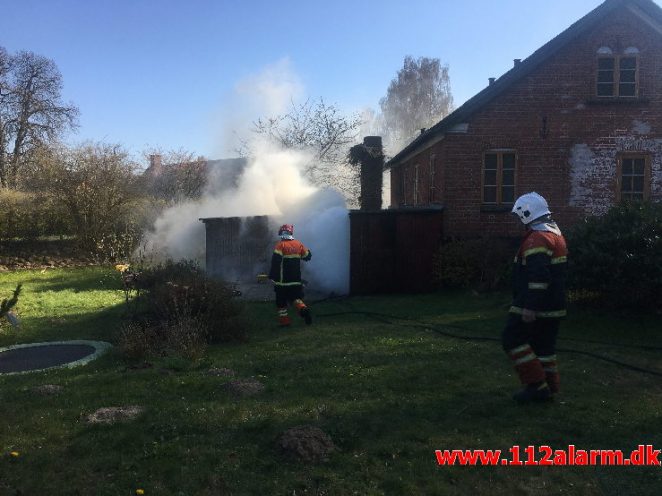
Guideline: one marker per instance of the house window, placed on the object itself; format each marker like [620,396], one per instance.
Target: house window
[433,164]
[634,177]
[499,177]
[617,76]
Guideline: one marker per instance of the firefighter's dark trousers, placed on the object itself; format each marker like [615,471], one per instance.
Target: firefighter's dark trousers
[532,348]
[286,295]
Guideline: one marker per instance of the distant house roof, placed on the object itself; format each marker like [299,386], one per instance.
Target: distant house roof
[648,10]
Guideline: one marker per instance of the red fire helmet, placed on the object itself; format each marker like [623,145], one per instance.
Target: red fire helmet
[286,229]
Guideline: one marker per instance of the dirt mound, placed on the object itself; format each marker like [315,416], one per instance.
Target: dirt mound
[47,389]
[244,387]
[221,372]
[306,443]
[111,415]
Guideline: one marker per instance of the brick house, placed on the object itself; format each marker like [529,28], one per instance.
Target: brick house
[579,121]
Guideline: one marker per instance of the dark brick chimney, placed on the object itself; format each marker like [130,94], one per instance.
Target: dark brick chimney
[372,168]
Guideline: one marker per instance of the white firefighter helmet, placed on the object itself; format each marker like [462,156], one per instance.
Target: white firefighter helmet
[530,207]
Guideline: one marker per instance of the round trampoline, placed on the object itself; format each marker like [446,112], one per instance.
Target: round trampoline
[34,357]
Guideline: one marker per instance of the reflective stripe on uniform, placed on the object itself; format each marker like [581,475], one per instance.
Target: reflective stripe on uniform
[538,285]
[287,283]
[524,359]
[292,256]
[541,249]
[548,314]
[519,349]
[278,252]
[559,260]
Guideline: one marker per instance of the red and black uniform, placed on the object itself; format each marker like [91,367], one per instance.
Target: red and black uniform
[539,286]
[286,274]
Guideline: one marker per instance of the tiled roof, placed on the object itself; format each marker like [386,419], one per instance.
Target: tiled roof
[525,67]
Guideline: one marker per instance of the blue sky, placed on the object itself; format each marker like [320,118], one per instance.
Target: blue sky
[168,74]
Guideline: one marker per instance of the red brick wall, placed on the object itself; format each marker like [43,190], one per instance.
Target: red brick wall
[574,165]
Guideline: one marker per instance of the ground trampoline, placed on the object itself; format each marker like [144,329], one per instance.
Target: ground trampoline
[35,357]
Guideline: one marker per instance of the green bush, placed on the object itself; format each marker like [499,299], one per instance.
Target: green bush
[28,216]
[478,263]
[618,256]
[184,309]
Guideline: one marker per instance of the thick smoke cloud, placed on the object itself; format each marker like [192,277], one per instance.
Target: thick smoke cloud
[271,184]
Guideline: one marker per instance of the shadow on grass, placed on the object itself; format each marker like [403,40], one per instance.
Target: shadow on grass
[95,325]
[77,280]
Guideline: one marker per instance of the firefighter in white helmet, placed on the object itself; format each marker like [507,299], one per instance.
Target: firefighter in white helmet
[286,274]
[529,337]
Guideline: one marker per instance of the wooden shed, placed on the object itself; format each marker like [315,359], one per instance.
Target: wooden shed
[237,248]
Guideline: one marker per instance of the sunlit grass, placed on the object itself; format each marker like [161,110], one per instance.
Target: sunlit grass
[375,373]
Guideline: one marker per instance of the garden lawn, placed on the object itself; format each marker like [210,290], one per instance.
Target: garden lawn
[380,375]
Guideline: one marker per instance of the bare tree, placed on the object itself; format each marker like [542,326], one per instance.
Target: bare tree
[95,183]
[31,111]
[417,98]
[324,130]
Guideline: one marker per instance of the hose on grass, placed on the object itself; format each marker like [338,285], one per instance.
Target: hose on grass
[443,330]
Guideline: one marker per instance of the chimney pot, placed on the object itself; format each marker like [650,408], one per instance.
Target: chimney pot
[155,160]
[372,141]
[491,80]
[516,62]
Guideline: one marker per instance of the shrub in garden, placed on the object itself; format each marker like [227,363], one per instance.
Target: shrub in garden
[95,184]
[137,340]
[617,257]
[8,303]
[27,216]
[178,307]
[479,263]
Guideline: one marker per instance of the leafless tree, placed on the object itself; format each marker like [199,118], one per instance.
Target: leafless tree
[322,129]
[31,111]
[95,183]
[418,97]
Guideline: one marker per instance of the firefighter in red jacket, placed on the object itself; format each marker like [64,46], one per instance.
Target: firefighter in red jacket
[286,274]
[529,337]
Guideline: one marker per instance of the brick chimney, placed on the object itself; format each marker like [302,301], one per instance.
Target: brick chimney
[155,166]
[372,169]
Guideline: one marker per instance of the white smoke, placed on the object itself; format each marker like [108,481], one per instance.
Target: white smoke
[321,222]
[271,184]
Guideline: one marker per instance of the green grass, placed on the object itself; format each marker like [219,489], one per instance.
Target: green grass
[388,390]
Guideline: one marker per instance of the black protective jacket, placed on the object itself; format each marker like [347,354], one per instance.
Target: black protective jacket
[539,273]
[286,262]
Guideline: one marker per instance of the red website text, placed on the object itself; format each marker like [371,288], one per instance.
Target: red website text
[644,455]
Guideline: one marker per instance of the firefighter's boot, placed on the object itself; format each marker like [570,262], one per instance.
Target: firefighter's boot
[304,311]
[538,392]
[283,318]
[531,373]
[551,372]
